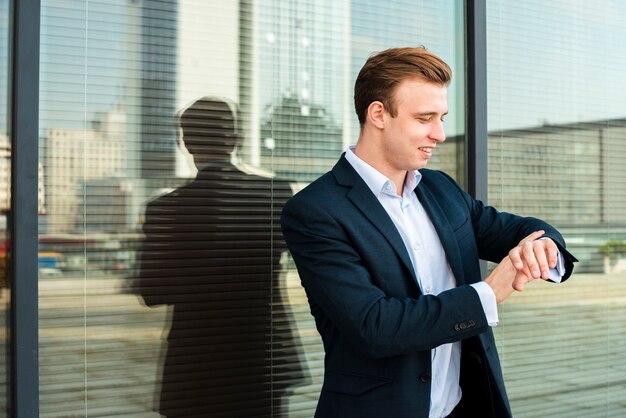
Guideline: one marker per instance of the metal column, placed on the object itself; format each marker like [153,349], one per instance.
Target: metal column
[22,225]
[476,37]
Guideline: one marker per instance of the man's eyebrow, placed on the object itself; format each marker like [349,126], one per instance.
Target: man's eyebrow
[429,113]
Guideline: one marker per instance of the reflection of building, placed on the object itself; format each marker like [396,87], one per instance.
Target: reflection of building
[5,177]
[5,173]
[295,135]
[295,44]
[75,156]
[567,174]
[158,88]
[291,39]
[563,173]
[107,205]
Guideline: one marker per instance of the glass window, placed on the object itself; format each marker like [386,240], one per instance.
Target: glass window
[556,146]
[171,133]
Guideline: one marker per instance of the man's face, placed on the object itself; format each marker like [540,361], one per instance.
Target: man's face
[410,137]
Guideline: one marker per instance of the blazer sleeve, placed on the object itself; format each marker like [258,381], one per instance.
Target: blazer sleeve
[498,232]
[155,260]
[346,294]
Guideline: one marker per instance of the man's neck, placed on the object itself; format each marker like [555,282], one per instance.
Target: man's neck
[372,157]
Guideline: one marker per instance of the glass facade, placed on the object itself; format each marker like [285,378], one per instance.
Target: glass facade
[556,150]
[171,132]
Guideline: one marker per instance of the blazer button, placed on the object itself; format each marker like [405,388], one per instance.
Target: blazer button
[463,325]
[471,322]
[457,327]
[425,378]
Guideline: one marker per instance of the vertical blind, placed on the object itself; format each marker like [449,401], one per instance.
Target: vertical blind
[557,142]
[172,132]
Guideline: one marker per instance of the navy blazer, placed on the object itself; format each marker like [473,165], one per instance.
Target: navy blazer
[376,326]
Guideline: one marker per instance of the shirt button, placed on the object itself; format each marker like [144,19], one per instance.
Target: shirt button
[428,290]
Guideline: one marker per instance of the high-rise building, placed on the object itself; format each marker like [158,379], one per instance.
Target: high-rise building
[75,156]
[158,52]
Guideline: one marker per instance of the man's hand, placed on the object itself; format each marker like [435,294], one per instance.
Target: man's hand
[533,258]
[529,260]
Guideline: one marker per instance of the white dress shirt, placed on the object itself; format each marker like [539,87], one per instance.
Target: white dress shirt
[432,271]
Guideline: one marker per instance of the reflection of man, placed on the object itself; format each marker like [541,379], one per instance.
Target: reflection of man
[212,251]
[388,256]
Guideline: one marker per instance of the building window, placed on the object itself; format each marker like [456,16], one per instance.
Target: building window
[556,144]
[171,132]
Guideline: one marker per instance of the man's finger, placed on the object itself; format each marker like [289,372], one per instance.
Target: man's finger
[528,257]
[516,259]
[532,237]
[540,249]
[553,253]
[520,281]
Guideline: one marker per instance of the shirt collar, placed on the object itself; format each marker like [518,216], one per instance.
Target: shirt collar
[375,180]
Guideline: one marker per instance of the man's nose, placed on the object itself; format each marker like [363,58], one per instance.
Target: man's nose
[438,134]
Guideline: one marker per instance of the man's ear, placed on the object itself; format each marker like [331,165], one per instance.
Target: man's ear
[375,114]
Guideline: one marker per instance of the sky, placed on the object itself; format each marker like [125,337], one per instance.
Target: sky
[555,62]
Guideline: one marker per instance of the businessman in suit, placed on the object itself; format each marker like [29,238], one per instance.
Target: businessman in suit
[388,253]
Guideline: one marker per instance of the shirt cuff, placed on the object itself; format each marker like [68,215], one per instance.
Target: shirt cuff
[488,300]
[556,274]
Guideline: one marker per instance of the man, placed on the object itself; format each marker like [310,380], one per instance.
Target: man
[212,251]
[388,253]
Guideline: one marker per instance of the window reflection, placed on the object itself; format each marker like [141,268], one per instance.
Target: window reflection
[128,219]
[212,252]
[557,129]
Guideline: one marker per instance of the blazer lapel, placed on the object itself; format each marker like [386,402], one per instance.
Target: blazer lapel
[444,230]
[363,198]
